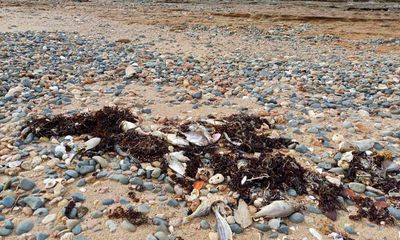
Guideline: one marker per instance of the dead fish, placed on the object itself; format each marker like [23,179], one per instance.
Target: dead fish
[175,140]
[242,214]
[202,210]
[92,143]
[223,228]
[279,208]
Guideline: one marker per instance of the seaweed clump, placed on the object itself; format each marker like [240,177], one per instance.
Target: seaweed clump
[134,217]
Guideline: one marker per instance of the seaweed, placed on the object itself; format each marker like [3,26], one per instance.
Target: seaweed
[129,214]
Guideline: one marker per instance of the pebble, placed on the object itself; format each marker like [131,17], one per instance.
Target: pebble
[236,228]
[302,148]
[8,201]
[204,224]
[395,212]
[161,235]
[34,202]
[5,231]
[262,227]
[127,226]
[143,208]
[27,184]
[112,226]
[350,230]
[172,203]
[357,187]
[49,218]
[78,197]
[296,217]
[42,236]
[24,227]
[107,201]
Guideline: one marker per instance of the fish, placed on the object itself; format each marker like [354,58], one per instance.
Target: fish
[279,208]
[223,228]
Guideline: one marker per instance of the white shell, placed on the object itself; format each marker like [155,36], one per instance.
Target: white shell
[175,140]
[242,214]
[179,156]
[92,143]
[126,125]
[216,179]
[279,208]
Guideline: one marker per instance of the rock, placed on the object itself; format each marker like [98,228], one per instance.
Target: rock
[107,201]
[364,145]
[112,226]
[274,223]
[395,212]
[101,161]
[357,187]
[127,226]
[156,173]
[42,236]
[8,201]
[151,237]
[204,224]
[24,227]
[34,202]
[5,231]
[301,148]
[92,143]
[262,227]
[49,218]
[96,214]
[77,229]
[296,217]
[148,186]
[216,179]
[71,223]
[86,169]
[27,184]
[72,173]
[172,203]
[284,229]
[346,146]
[236,228]
[59,151]
[78,197]
[161,235]
[41,212]
[143,208]
[350,230]
[8,224]
[276,209]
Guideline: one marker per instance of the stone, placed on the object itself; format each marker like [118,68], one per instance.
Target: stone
[34,202]
[49,218]
[262,227]
[42,236]
[5,232]
[204,224]
[107,201]
[350,230]
[127,226]
[78,197]
[96,214]
[395,212]
[172,203]
[8,201]
[24,227]
[41,212]
[112,226]
[143,208]
[236,228]
[27,184]
[86,169]
[301,148]
[161,235]
[357,187]
[296,217]
[71,223]
[72,173]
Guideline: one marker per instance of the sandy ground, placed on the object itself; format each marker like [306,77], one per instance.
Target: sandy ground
[171,21]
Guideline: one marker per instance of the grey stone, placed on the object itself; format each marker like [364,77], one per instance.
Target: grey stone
[161,235]
[172,203]
[24,227]
[143,208]
[236,228]
[8,201]
[96,214]
[204,224]
[78,197]
[127,226]
[350,230]
[296,217]
[42,236]
[357,187]
[34,202]
[262,227]
[5,231]
[395,212]
[27,184]
[301,148]
[107,201]
[41,212]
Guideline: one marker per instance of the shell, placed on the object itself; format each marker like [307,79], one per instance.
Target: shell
[223,228]
[242,214]
[126,125]
[175,140]
[179,156]
[216,179]
[92,143]
[202,210]
[204,173]
[279,208]
[177,166]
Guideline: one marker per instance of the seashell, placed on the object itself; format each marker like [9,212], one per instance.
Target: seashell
[126,125]
[67,236]
[50,183]
[333,180]
[216,179]
[315,233]
[223,228]
[179,156]
[175,140]
[279,208]
[202,210]
[204,173]
[242,214]
[347,156]
[92,143]
[177,166]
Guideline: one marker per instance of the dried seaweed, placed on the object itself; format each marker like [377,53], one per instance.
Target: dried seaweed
[129,214]
[68,208]
[367,208]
